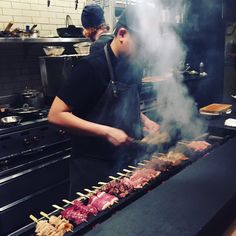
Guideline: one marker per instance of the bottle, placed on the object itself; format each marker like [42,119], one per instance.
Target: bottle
[201,67]
[8,27]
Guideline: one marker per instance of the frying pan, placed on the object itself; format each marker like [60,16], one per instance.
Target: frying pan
[70,31]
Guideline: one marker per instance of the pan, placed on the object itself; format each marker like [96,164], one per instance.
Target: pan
[70,31]
[25,110]
[11,120]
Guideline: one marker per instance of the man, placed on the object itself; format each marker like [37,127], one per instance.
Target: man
[99,105]
[95,27]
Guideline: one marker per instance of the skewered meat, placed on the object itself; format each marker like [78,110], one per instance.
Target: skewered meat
[85,209]
[43,228]
[71,213]
[174,157]
[119,187]
[198,146]
[102,200]
[60,223]
[158,164]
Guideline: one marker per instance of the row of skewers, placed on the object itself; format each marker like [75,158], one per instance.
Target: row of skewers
[105,195]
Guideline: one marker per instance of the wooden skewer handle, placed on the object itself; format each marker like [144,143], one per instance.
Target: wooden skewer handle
[112,177]
[141,164]
[58,207]
[121,174]
[44,214]
[82,195]
[67,201]
[95,187]
[132,167]
[33,218]
[128,171]
[102,183]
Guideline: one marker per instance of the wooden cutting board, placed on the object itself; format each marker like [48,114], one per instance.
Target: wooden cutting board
[216,108]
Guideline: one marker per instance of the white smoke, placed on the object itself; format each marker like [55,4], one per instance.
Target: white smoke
[166,55]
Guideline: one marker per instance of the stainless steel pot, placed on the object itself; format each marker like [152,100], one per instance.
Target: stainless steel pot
[33,98]
[11,120]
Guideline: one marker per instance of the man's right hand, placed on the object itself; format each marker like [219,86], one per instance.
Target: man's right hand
[117,136]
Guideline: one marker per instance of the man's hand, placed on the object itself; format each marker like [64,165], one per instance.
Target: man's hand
[117,136]
[149,126]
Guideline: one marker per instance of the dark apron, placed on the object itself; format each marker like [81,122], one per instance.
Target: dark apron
[94,158]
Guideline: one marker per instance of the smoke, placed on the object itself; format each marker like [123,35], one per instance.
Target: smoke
[165,55]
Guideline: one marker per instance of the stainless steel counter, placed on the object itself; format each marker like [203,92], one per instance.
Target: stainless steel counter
[42,40]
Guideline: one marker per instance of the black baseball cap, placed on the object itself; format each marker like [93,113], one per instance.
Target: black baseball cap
[130,19]
[92,16]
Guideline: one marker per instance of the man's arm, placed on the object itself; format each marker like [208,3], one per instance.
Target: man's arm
[149,126]
[60,114]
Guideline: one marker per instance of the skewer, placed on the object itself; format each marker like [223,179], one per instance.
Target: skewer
[33,218]
[146,161]
[184,142]
[102,183]
[58,207]
[128,171]
[44,214]
[141,164]
[132,167]
[113,178]
[95,187]
[67,201]
[121,174]
[82,195]
[89,191]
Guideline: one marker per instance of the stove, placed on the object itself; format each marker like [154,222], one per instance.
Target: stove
[34,164]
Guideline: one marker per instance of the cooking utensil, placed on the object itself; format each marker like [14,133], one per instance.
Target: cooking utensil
[25,110]
[70,31]
[76,4]
[11,120]
[53,50]
[216,108]
[82,48]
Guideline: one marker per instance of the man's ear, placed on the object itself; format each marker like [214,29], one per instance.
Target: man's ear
[121,34]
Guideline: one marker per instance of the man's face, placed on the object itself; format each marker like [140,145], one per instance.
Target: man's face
[128,44]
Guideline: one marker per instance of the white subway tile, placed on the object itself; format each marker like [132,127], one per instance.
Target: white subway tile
[6,19]
[22,19]
[30,13]
[40,20]
[12,12]
[5,4]
[17,5]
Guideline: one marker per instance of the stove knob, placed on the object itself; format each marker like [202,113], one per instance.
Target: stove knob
[36,139]
[26,142]
[61,132]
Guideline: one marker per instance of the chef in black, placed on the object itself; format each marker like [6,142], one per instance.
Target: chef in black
[95,27]
[99,105]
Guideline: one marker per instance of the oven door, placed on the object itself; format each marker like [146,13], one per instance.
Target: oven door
[33,184]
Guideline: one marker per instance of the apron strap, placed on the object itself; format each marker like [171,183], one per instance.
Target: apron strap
[111,72]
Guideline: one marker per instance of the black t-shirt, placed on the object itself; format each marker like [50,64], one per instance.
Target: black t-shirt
[101,42]
[90,78]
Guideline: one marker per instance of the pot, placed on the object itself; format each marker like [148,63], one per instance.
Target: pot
[33,98]
[70,31]
[11,120]
[25,110]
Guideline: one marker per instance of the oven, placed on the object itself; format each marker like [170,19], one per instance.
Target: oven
[34,165]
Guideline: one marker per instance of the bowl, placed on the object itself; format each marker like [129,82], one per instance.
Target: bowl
[53,50]
[11,120]
[82,48]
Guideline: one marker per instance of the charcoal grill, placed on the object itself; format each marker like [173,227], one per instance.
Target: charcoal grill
[102,216]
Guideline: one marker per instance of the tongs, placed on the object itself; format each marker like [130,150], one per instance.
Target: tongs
[152,141]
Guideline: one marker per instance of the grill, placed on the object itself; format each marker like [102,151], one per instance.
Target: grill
[103,215]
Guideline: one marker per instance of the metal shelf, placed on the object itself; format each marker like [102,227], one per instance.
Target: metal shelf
[42,40]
